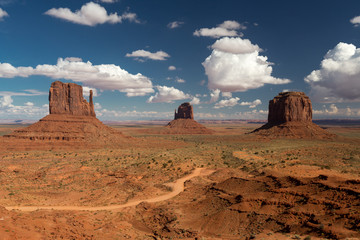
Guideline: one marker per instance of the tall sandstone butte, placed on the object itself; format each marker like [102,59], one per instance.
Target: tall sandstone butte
[184,122]
[71,118]
[290,115]
[185,111]
[67,98]
[290,107]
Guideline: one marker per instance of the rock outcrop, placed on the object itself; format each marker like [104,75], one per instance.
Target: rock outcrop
[290,107]
[71,118]
[67,98]
[290,115]
[185,111]
[184,122]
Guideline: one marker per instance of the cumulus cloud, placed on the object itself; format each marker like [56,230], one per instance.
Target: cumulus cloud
[337,80]
[86,91]
[195,101]
[225,29]
[355,21]
[180,80]
[252,104]
[227,103]
[214,95]
[90,14]
[240,69]
[28,110]
[159,55]
[226,94]
[172,68]
[333,110]
[104,76]
[108,1]
[167,94]
[235,45]
[3,14]
[175,24]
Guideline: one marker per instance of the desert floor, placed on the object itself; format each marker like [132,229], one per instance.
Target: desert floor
[227,185]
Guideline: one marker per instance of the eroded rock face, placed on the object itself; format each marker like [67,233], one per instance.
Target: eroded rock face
[290,107]
[185,111]
[67,98]
[290,116]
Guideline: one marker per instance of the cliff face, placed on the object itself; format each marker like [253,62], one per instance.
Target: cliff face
[185,111]
[290,107]
[71,119]
[290,116]
[67,98]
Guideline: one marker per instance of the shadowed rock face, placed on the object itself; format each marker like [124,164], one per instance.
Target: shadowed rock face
[290,107]
[290,116]
[185,111]
[67,98]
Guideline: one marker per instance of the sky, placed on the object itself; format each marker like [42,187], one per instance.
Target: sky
[144,58]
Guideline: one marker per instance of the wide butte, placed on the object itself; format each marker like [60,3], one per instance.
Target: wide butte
[290,116]
[184,122]
[71,119]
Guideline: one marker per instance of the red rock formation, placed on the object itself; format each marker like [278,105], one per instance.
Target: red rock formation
[185,111]
[184,122]
[290,115]
[71,118]
[67,98]
[290,106]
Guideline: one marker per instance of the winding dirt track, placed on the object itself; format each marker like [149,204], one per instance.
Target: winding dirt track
[177,186]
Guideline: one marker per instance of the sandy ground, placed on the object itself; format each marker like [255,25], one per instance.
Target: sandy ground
[221,186]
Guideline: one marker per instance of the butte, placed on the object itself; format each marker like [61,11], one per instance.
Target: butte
[71,119]
[184,122]
[290,116]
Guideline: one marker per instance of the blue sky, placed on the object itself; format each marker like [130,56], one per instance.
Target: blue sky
[144,58]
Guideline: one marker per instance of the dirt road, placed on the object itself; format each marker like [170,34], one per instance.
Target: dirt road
[177,187]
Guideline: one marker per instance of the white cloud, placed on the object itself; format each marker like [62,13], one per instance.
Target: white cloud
[86,91]
[27,92]
[104,76]
[226,94]
[225,29]
[238,72]
[235,45]
[195,101]
[6,101]
[28,110]
[333,110]
[90,14]
[355,21]
[214,95]
[29,104]
[3,14]
[172,68]
[180,80]
[337,80]
[159,55]
[108,1]
[227,103]
[174,24]
[167,94]
[252,104]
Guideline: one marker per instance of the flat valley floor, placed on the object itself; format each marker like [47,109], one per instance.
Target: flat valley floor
[228,185]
